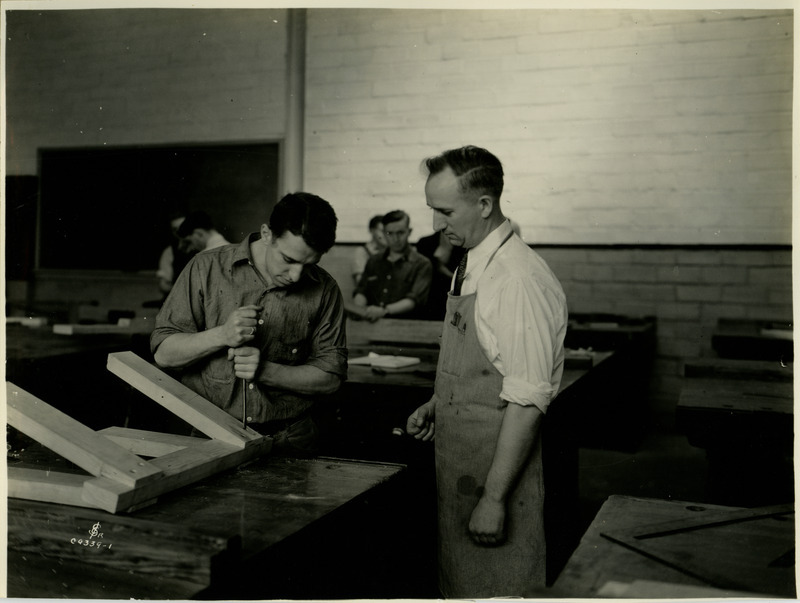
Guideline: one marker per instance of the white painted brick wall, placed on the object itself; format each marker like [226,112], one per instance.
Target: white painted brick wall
[119,77]
[615,126]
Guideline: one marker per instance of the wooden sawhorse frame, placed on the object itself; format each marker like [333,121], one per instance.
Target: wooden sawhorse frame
[129,467]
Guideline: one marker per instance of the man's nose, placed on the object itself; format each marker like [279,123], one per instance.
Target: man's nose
[295,272]
[438,222]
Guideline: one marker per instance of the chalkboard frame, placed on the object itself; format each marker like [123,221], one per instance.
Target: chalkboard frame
[107,208]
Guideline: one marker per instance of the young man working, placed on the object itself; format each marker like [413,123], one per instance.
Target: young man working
[262,313]
[500,364]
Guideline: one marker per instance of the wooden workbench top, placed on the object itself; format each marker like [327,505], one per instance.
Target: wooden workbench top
[716,552]
[190,540]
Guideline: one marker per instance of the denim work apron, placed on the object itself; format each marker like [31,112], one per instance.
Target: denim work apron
[469,412]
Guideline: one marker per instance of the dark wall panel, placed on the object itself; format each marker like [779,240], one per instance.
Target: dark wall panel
[109,208]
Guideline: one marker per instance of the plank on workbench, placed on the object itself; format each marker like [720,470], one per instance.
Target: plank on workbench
[73,440]
[180,400]
[179,468]
[46,486]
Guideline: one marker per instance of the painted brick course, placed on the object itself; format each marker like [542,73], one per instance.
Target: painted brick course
[647,128]
[655,119]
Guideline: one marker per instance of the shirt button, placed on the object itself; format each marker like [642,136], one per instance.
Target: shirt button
[386,291]
[251,386]
[388,277]
[261,322]
[294,351]
[250,418]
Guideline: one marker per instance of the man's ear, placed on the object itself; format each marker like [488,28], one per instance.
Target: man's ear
[266,234]
[486,205]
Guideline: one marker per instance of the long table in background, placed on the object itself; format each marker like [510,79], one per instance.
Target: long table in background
[741,412]
[754,339]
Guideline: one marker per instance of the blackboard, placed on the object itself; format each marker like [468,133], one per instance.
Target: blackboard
[108,208]
[20,226]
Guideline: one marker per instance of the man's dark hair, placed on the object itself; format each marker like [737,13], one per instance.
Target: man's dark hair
[375,221]
[395,216]
[307,216]
[196,219]
[476,169]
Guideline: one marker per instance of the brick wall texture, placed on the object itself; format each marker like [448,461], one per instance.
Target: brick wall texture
[124,77]
[614,126]
[664,129]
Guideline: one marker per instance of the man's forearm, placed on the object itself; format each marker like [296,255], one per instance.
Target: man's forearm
[303,379]
[518,433]
[401,306]
[182,349]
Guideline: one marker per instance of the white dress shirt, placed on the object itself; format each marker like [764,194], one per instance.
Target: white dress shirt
[521,316]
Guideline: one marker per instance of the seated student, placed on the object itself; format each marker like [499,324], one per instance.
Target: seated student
[375,245]
[260,324]
[445,258]
[396,282]
[199,231]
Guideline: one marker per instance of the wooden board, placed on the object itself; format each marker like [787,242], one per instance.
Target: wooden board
[742,549]
[74,441]
[173,395]
[122,480]
[599,560]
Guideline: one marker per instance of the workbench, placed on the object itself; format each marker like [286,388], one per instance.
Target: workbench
[651,548]
[273,528]
[742,413]
[617,416]
[68,371]
[753,339]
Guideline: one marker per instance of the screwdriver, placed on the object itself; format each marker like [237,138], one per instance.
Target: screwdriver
[244,403]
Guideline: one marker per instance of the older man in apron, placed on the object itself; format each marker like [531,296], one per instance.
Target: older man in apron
[500,364]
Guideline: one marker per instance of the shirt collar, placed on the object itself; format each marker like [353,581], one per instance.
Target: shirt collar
[404,256]
[485,248]
[242,251]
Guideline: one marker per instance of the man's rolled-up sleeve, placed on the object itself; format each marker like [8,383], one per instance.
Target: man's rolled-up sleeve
[329,342]
[180,312]
[530,322]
